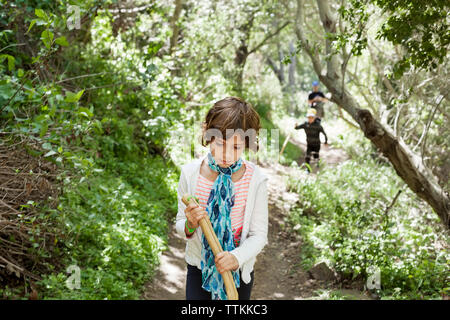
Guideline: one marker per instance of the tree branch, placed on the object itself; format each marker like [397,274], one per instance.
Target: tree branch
[82,76]
[268,37]
[174,25]
[299,31]
[329,25]
[428,128]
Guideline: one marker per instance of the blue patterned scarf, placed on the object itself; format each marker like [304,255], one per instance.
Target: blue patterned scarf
[220,202]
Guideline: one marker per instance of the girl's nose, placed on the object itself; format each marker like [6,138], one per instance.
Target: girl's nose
[228,152]
[225,152]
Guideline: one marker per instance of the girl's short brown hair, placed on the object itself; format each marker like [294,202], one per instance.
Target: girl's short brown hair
[232,113]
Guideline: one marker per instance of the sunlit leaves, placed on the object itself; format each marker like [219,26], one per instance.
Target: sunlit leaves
[73,97]
[343,219]
[11,61]
[421,27]
[41,14]
[85,112]
[47,38]
[355,14]
[62,41]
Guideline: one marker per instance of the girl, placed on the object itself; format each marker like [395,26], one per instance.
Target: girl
[233,193]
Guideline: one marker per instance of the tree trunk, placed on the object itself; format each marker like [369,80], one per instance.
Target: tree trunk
[406,163]
[279,71]
[243,51]
[174,25]
[292,67]
[240,59]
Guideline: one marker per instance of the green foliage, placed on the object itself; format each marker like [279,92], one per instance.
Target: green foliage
[343,219]
[356,15]
[270,103]
[421,27]
[116,211]
[116,226]
[118,193]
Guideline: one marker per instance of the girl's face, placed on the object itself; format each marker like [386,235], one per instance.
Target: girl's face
[227,152]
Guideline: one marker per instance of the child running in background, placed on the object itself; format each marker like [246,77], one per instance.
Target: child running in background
[233,193]
[313,128]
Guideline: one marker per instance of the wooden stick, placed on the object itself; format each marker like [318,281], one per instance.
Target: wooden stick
[216,248]
[285,143]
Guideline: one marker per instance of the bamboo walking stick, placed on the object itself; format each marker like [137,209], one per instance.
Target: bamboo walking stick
[216,248]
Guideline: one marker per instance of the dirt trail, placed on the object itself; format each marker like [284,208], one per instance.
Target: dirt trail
[278,274]
[277,271]
[169,282]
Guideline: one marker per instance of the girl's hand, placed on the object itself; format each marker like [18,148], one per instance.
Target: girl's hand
[225,261]
[194,214]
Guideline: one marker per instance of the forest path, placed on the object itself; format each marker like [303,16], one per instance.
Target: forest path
[278,274]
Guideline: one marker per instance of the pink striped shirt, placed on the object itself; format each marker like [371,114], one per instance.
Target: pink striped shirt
[204,187]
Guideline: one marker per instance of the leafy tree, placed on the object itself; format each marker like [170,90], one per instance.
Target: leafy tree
[335,57]
[421,27]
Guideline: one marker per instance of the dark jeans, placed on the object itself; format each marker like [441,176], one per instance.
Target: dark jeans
[194,290]
[312,149]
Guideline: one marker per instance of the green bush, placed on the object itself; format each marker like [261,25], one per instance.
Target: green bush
[116,226]
[107,134]
[343,220]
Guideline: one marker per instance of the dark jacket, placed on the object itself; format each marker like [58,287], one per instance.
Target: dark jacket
[313,131]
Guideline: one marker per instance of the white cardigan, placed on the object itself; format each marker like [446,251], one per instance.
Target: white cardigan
[254,231]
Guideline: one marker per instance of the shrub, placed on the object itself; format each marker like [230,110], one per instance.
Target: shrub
[343,218]
[116,226]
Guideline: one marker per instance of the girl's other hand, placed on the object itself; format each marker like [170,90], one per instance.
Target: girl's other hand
[226,261]
[194,214]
